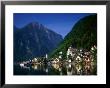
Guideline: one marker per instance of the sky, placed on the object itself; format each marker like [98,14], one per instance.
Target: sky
[61,23]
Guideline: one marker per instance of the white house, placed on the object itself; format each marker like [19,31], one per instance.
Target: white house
[78,59]
[21,65]
[71,51]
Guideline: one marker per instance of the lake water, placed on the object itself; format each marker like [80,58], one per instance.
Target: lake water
[55,69]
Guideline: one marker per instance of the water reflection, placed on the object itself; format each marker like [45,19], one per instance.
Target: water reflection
[73,68]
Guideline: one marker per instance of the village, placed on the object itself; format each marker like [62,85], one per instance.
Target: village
[79,62]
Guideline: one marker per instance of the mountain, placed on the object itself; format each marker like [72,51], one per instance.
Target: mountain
[34,40]
[83,35]
[15,28]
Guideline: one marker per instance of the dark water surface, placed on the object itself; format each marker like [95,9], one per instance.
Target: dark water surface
[55,69]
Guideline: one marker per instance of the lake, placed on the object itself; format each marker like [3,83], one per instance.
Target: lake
[55,69]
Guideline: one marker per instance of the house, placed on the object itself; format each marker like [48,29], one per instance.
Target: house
[21,65]
[87,60]
[87,69]
[93,47]
[35,60]
[61,53]
[78,68]
[56,60]
[78,59]
[71,52]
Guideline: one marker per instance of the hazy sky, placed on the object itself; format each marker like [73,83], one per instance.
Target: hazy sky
[61,23]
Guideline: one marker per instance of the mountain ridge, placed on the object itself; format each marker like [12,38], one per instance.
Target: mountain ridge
[82,35]
[34,40]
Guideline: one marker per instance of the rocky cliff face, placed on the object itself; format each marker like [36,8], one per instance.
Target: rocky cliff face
[34,40]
